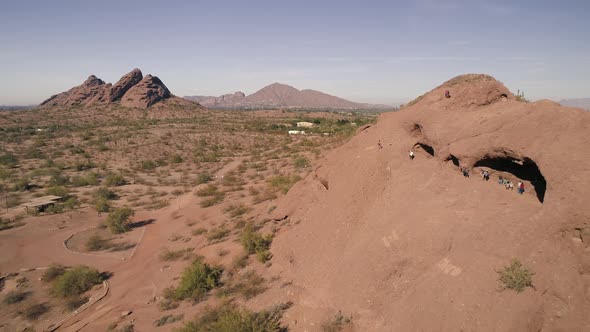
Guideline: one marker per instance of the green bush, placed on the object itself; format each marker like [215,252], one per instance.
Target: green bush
[176,159]
[283,182]
[97,243]
[148,165]
[301,162]
[8,160]
[102,205]
[33,312]
[515,276]
[217,234]
[57,191]
[71,203]
[172,255]
[22,184]
[76,281]
[197,280]
[118,220]
[91,179]
[58,180]
[254,243]
[168,319]
[54,271]
[236,210]
[15,296]
[104,193]
[231,319]
[114,179]
[336,324]
[203,178]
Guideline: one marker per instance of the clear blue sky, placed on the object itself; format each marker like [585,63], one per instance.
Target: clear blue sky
[374,51]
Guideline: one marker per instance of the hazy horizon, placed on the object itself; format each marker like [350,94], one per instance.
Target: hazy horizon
[377,52]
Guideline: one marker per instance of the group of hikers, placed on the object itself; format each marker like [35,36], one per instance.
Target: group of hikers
[485,176]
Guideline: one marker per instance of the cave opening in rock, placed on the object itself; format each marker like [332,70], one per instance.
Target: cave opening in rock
[525,169]
[454,159]
[427,148]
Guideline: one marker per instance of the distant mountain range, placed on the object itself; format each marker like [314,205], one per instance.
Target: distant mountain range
[279,95]
[577,102]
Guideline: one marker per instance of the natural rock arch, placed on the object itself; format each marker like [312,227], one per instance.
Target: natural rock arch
[524,169]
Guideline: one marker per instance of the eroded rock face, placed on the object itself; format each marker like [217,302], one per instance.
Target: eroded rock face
[147,92]
[125,83]
[92,91]
[132,90]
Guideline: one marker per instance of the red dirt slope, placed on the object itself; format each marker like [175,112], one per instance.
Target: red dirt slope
[414,246]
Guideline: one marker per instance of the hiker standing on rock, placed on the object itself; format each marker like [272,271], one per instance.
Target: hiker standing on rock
[520,187]
[411,155]
[465,172]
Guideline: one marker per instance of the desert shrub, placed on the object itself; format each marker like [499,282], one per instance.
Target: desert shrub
[168,319]
[58,180]
[104,193]
[176,159]
[71,203]
[239,262]
[231,319]
[90,179]
[209,190]
[34,311]
[254,243]
[203,178]
[8,160]
[102,205]
[118,220]
[171,255]
[236,210]
[197,280]
[300,162]
[168,303]
[199,231]
[217,234]
[83,165]
[97,243]
[76,281]
[248,286]
[283,182]
[15,296]
[54,271]
[515,276]
[210,201]
[22,184]
[114,179]
[57,191]
[148,165]
[54,209]
[337,323]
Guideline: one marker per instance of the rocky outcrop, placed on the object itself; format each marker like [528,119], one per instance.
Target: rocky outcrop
[125,83]
[92,91]
[132,90]
[147,92]
[422,241]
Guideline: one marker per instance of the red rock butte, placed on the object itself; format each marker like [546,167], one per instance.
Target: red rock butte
[132,90]
[413,245]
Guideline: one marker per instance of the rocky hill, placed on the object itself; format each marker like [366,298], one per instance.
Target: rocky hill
[279,95]
[413,245]
[132,90]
